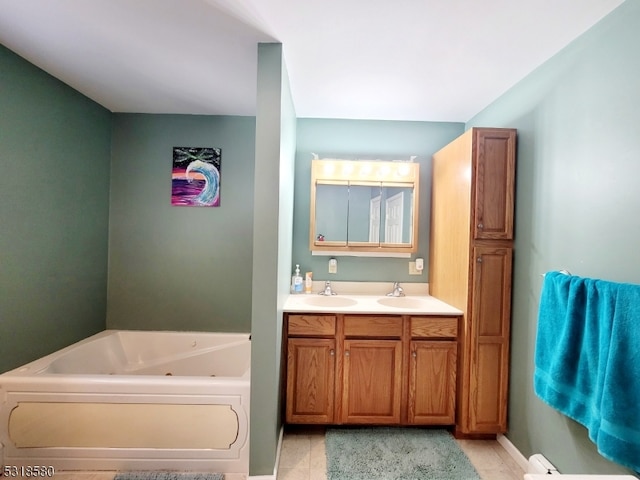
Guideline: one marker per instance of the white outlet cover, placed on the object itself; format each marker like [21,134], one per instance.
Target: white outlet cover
[333,265]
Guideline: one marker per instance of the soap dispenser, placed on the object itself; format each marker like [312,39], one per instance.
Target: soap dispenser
[297,281]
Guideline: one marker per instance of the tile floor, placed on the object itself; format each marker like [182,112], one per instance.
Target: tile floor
[98,476]
[303,457]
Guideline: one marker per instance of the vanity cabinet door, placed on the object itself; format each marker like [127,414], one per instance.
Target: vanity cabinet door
[310,380]
[372,381]
[432,382]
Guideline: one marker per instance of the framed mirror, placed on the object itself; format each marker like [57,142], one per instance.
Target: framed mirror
[364,206]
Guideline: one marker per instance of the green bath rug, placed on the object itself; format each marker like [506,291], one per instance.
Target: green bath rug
[167,476]
[390,453]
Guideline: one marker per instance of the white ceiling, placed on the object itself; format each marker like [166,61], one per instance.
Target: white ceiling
[437,60]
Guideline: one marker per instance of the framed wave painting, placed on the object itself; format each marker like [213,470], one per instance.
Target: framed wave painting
[195,180]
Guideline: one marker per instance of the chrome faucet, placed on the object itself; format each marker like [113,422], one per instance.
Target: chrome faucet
[397,291]
[327,289]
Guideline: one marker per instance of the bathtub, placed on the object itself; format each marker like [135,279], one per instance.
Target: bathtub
[131,400]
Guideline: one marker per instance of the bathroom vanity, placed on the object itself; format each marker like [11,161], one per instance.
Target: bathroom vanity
[416,360]
[371,360]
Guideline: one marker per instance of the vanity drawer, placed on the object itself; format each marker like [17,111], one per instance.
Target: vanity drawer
[434,327]
[372,326]
[312,325]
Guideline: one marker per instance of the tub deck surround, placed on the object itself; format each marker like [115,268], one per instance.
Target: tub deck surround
[369,298]
[187,393]
[132,352]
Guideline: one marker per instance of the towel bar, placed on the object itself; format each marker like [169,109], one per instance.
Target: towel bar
[566,272]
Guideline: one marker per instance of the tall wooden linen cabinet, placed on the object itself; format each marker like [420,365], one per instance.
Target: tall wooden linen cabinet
[470,258]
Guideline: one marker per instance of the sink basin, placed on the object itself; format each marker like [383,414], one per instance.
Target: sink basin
[326,301]
[401,302]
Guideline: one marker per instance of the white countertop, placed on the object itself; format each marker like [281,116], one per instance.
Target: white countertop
[410,304]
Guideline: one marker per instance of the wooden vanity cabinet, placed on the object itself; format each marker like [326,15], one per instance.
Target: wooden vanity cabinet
[470,261]
[311,369]
[371,369]
[432,371]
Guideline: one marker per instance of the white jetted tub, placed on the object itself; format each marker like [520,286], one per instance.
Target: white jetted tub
[131,400]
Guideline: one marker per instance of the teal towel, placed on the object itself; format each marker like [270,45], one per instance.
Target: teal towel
[587,360]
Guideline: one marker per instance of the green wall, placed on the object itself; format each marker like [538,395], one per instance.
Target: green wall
[577,203]
[353,139]
[54,190]
[273,220]
[179,268]
[228,268]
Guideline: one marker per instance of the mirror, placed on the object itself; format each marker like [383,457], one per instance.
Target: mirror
[331,218]
[364,206]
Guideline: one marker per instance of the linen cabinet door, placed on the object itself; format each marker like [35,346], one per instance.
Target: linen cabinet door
[432,382]
[494,184]
[372,381]
[490,324]
[310,380]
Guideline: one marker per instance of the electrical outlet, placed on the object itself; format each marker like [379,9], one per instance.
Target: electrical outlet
[413,270]
[333,265]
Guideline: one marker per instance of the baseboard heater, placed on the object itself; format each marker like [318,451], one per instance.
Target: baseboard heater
[539,464]
[539,468]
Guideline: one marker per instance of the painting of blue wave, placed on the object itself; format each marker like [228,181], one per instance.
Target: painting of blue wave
[195,179]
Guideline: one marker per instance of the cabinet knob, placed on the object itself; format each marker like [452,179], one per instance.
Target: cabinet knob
[481,225]
[332,352]
[346,354]
[414,354]
[479,260]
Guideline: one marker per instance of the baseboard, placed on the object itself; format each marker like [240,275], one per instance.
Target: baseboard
[513,452]
[273,476]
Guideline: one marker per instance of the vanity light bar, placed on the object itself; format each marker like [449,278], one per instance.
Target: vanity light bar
[354,170]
